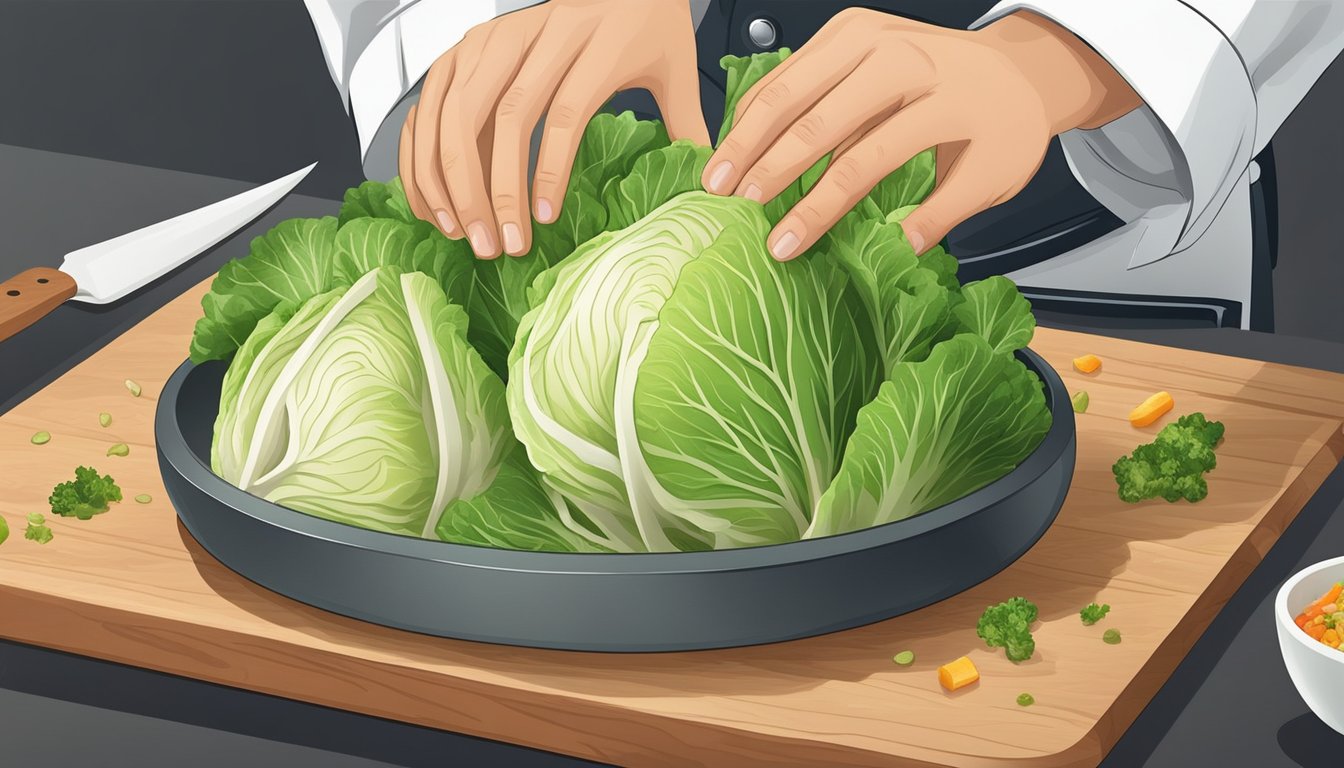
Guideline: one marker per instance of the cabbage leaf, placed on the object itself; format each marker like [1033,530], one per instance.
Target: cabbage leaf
[937,430]
[367,406]
[746,393]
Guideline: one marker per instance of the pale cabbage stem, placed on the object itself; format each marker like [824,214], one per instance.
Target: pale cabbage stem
[268,416]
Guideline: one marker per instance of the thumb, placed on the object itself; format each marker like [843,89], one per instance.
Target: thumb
[678,98]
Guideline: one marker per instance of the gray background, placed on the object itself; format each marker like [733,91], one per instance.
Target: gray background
[237,90]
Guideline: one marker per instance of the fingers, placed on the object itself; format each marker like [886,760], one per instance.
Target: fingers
[852,175]
[468,109]
[773,109]
[827,124]
[519,109]
[425,168]
[574,103]
[976,180]
[406,168]
[678,101]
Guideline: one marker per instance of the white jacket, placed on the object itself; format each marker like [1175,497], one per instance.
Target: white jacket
[1218,78]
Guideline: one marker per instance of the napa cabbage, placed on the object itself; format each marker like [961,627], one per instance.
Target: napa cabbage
[646,379]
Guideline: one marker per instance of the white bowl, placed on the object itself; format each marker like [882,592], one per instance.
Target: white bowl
[1316,669]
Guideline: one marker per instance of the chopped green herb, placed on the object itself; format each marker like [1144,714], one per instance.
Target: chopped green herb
[85,496]
[1111,637]
[41,438]
[105,419]
[143,498]
[1025,699]
[904,658]
[4,530]
[133,387]
[1171,467]
[1008,626]
[120,449]
[1080,401]
[1094,613]
[37,529]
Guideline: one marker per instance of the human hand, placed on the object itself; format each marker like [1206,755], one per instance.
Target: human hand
[464,147]
[878,89]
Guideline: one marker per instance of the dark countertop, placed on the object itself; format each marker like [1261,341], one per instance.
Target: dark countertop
[1229,703]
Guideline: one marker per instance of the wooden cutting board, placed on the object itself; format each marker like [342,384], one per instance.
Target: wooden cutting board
[131,586]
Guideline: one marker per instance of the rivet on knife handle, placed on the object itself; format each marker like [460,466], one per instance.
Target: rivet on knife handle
[27,296]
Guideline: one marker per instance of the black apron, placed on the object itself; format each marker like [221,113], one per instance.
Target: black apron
[1052,215]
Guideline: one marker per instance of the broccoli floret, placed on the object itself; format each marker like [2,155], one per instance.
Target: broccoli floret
[1008,626]
[37,529]
[1171,467]
[1094,613]
[85,496]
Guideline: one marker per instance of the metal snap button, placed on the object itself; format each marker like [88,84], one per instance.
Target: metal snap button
[762,33]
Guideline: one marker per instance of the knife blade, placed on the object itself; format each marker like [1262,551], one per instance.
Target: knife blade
[107,271]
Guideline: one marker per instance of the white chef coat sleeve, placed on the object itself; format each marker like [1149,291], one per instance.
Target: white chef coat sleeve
[378,51]
[1217,77]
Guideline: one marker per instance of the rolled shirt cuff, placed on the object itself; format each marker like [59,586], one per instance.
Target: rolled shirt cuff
[1171,163]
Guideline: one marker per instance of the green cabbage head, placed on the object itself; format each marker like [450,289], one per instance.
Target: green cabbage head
[682,389]
[364,405]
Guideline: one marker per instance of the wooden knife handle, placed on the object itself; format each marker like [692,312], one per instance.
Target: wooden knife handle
[27,296]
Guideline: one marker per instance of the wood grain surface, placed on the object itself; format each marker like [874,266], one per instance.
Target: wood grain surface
[27,296]
[131,586]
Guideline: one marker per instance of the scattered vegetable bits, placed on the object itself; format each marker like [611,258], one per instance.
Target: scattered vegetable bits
[143,498]
[1008,626]
[120,449]
[958,674]
[904,658]
[1111,637]
[1079,401]
[85,496]
[1094,613]
[1151,410]
[1025,699]
[41,438]
[4,530]
[133,387]
[37,529]
[1323,619]
[105,419]
[1173,465]
[1087,363]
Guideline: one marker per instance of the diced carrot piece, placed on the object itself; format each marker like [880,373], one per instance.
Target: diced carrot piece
[1151,410]
[1312,611]
[958,674]
[1302,620]
[1087,363]
[1317,631]
[1329,597]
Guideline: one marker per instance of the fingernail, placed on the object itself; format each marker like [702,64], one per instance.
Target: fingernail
[784,246]
[513,239]
[445,222]
[482,242]
[916,241]
[545,213]
[718,178]
[752,193]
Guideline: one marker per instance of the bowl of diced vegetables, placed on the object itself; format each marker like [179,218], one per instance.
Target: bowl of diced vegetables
[1309,614]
